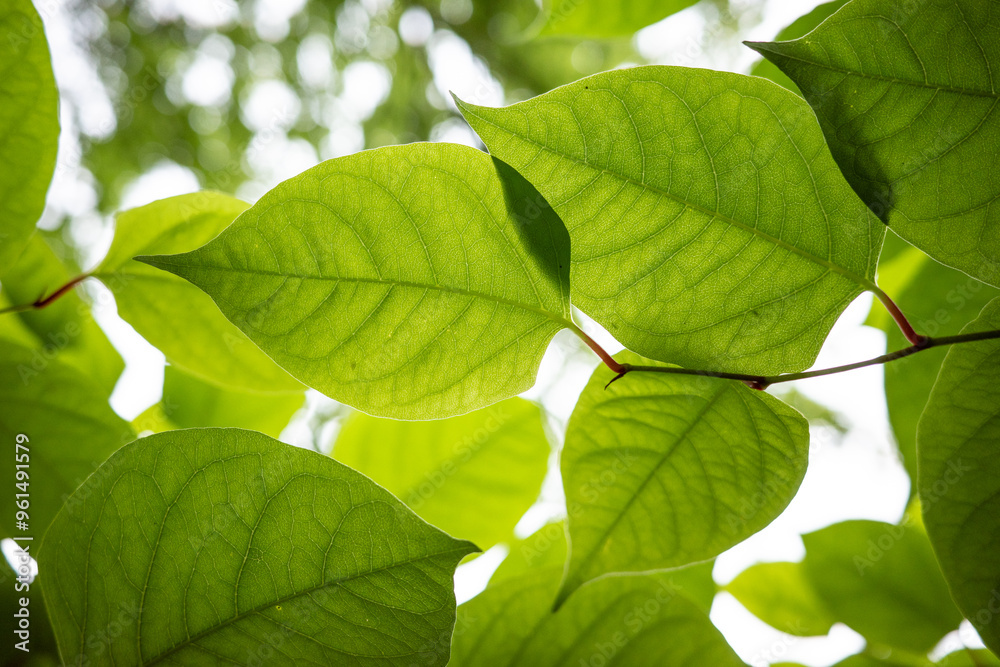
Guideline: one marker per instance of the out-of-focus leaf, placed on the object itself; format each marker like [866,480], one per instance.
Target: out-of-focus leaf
[618,620]
[213,546]
[70,427]
[172,314]
[938,301]
[959,475]
[472,476]
[881,580]
[65,329]
[710,227]
[780,595]
[29,125]
[191,403]
[665,470]
[413,282]
[591,18]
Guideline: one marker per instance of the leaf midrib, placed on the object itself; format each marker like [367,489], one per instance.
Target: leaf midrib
[158,262]
[709,403]
[836,268]
[193,639]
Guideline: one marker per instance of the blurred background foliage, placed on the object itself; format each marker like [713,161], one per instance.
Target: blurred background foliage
[244,95]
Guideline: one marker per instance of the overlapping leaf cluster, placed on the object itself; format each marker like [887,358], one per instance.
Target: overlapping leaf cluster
[708,220]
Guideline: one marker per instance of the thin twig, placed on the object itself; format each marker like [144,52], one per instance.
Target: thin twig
[764,381]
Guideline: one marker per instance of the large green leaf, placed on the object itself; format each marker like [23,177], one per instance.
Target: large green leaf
[938,301]
[29,125]
[65,329]
[710,227]
[665,470]
[472,476]
[625,621]
[172,314]
[222,546]
[544,548]
[70,427]
[413,282]
[959,475]
[780,595]
[191,403]
[882,581]
[592,18]
[797,28]
[907,96]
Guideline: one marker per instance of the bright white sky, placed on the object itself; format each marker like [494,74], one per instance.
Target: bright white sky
[856,476]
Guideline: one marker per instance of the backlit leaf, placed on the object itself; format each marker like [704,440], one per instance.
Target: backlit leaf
[172,314]
[780,595]
[882,581]
[412,282]
[907,96]
[70,427]
[591,18]
[665,470]
[213,546]
[625,621]
[65,329]
[472,476]
[29,125]
[710,227]
[959,475]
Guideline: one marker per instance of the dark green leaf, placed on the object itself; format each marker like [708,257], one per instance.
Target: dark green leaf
[170,313]
[29,125]
[710,227]
[882,581]
[221,546]
[907,96]
[472,476]
[959,477]
[665,470]
[412,282]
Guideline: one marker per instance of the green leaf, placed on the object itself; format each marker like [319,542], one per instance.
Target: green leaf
[591,18]
[70,427]
[619,620]
[213,546]
[970,658]
[665,470]
[798,28]
[882,581]
[190,403]
[29,125]
[710,227]
[906,95]
[545,548]
[412,282]
[938,301]
[959,477]
[63,330]
[170,313]
[780,595]
[472,476]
